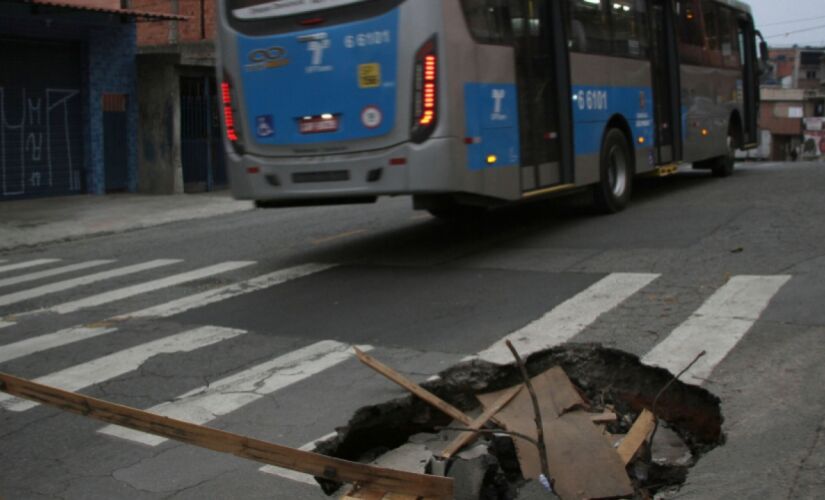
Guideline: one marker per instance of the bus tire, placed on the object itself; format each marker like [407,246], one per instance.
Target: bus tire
[723,166]
[612,193]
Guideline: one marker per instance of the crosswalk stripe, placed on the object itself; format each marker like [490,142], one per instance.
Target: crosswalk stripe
[149,286]
[61,286]
[52,272]
[27,264]
[34,345]
[78,333]
[227,292]
[292,475]
[114,365]
[206,403]
[716,327]
[569,318]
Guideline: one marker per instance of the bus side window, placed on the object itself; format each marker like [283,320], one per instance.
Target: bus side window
[488,20]
[729,38]
[713,52]
[589,27]
[691,32]
[630,28]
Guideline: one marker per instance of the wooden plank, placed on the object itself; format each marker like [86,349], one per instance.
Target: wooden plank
[414,388]
[582,462]
[606,417]
[466,438]
[333,469]
[638,435]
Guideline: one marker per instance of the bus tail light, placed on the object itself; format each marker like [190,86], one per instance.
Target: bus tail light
[425,88]
[227,101]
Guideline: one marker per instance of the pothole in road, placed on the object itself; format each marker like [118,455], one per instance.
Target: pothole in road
[405,432]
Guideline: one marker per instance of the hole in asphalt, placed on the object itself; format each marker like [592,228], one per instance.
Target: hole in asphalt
[690,418]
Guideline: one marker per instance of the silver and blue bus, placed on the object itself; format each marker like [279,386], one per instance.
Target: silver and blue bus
[467,104]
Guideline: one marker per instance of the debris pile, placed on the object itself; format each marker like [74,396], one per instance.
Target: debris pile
[537,437]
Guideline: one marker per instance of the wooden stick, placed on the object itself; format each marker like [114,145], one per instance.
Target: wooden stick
[329,468]
[414,388]
[466,438]
[545,467]
[641,430]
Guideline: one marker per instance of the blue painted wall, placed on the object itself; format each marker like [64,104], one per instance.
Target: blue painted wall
[108,66]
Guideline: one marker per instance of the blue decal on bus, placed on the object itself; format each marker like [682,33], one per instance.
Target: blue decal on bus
[491,114]
[594,106]
[321,85]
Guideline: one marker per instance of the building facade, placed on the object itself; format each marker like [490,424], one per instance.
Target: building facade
[68,97]
[180,143]
[793,106]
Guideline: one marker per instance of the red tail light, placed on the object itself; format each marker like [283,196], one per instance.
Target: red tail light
[228,113]
[425,86]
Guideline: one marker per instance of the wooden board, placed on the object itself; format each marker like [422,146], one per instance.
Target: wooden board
[414,388]
[582,462]
[638,435]
[333,469]
[466,438]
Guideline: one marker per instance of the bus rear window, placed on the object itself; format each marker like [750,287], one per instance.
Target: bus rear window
[263,9]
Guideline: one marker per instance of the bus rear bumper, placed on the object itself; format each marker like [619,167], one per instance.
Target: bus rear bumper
[404,169]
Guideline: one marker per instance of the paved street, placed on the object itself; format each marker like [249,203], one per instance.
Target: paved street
[244,322]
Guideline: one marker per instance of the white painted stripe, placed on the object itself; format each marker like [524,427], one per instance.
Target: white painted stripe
[34,345]
[27,264]
[569,318]
[61,286]
[114,365]
[149,286]
[227,292]
[716,327]
[292,475]
[53,272]
[206,403]
[5,324]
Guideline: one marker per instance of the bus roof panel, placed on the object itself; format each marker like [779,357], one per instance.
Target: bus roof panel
[736,4]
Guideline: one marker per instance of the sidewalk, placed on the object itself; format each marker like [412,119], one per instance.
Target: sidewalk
[43,220]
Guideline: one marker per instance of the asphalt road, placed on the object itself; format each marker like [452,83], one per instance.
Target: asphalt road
[732,266]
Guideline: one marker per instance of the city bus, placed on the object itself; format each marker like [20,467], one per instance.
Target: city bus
[470,104]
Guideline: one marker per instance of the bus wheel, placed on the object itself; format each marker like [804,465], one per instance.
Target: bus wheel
[612,193]
[723,166]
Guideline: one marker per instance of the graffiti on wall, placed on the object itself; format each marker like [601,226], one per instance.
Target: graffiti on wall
[39,141]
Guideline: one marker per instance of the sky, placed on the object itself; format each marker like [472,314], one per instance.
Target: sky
[794,15]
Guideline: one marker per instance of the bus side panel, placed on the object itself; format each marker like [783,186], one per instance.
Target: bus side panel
[709,96]
[467,62]
[604,87]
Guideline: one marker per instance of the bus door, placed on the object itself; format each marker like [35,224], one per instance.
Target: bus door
[543,81]
[666,83]
[750,84]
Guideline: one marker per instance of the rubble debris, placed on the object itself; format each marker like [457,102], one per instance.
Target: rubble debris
[668,449]
[534,490]
[611,389]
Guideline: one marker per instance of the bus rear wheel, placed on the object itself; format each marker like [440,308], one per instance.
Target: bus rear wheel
[723,166]
[612,193]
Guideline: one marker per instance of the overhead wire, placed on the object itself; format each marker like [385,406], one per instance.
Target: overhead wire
[794,21]
[796,31]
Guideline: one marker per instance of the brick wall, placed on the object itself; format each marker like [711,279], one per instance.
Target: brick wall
[196,28]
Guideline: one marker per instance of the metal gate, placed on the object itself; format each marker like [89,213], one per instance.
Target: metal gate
[202,154]
[115,136]
[41,126]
